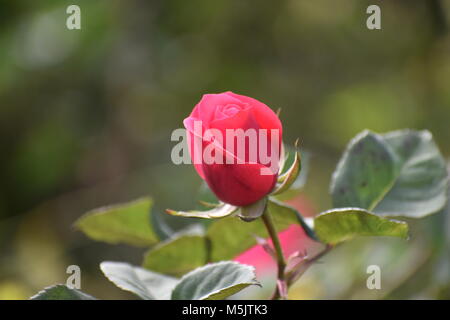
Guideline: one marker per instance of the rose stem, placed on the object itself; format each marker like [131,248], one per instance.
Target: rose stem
[268,222]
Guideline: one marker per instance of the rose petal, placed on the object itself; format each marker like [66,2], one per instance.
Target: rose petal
[265,117]
[239,185]
[206,108]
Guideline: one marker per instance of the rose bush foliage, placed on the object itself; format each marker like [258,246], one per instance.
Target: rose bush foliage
[401,174]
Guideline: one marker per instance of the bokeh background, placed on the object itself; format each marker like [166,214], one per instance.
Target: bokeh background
[86,117]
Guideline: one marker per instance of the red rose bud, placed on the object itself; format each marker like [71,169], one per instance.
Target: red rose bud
[235,145]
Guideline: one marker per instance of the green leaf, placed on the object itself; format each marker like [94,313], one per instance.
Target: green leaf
[230,236]
[253,211]
[144,283]
[124,223]
[61,292]
[343,224]
[220,211]
[282,209]
[401,173]
[182,253]
[214,281]
[422,181]
[225,239]
[364,173]
[286,180]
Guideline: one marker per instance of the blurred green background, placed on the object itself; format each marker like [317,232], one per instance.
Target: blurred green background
[86,117]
